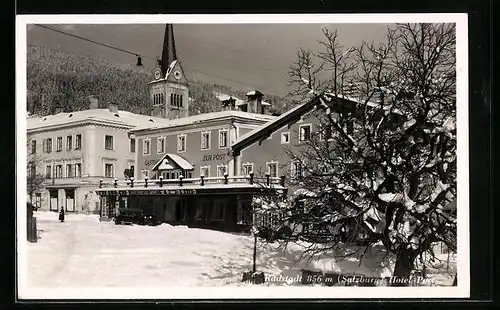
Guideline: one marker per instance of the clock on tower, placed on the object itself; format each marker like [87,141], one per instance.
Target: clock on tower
[157,74]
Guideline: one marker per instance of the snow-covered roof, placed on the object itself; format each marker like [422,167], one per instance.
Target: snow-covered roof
[239,102]
[254,93]
[276,120]
[200,118]
[120,118]
[361,101]
[297,110]
[163,163]
[224,97]
[169,70]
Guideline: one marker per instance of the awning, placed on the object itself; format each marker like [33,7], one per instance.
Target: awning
[172,161]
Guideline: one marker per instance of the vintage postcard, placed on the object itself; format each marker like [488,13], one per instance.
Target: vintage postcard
[242,156]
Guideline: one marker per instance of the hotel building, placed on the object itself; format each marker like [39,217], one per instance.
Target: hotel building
[74,151]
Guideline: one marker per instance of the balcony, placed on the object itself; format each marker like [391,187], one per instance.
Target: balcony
[202,184]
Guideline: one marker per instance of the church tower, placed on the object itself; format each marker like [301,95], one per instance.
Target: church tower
[169,92]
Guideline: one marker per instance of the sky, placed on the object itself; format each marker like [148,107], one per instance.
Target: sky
[242,56]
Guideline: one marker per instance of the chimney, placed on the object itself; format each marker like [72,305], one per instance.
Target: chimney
[254,102]
[229,104]
[94,103]
[113,107]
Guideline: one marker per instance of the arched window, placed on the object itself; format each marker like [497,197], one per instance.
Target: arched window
[180,101]
[154,99]
[176,100]
[171,99]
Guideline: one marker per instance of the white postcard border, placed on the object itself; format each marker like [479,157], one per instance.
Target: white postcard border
[463,265]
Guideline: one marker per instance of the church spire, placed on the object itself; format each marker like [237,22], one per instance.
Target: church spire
[169,92]
[168,54]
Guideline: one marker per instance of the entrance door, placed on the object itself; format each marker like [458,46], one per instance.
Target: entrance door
[170,210]
[70,200]
[180,210]
[54,200]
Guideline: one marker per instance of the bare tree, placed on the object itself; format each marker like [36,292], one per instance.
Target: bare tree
[34,179]
[381,169]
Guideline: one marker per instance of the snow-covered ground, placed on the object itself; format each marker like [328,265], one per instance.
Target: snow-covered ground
[84,252]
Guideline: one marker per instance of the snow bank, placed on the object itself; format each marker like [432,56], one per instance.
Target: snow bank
[83,252]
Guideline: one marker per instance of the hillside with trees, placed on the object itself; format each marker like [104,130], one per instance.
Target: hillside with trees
[59,80]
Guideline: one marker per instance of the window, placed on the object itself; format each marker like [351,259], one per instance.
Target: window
[59,144]
[218,210]
[272,169]
[108,170]
[69,142]
[108,142]
[78,142]
[130,171]
[160,145]
[146,147]
[32,172]
[157,99]
[221,170]
[247,168]
[69,171]
[205,171]
[296,169]
[33,146]
[205,140]
[203,209]
[176,100]
[222,138]
[145,174]
[47,145]
[78,170]
[326,133]
[48,171]
[132,145]
[58,172]
[305,132]
[285,137]
[350,127]
[173,99]
[181,143]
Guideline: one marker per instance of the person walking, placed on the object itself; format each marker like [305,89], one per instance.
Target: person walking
[61,215]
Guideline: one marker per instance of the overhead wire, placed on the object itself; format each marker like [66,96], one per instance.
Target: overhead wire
[154,59]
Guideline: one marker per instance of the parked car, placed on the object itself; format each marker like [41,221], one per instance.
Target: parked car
[129,216]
